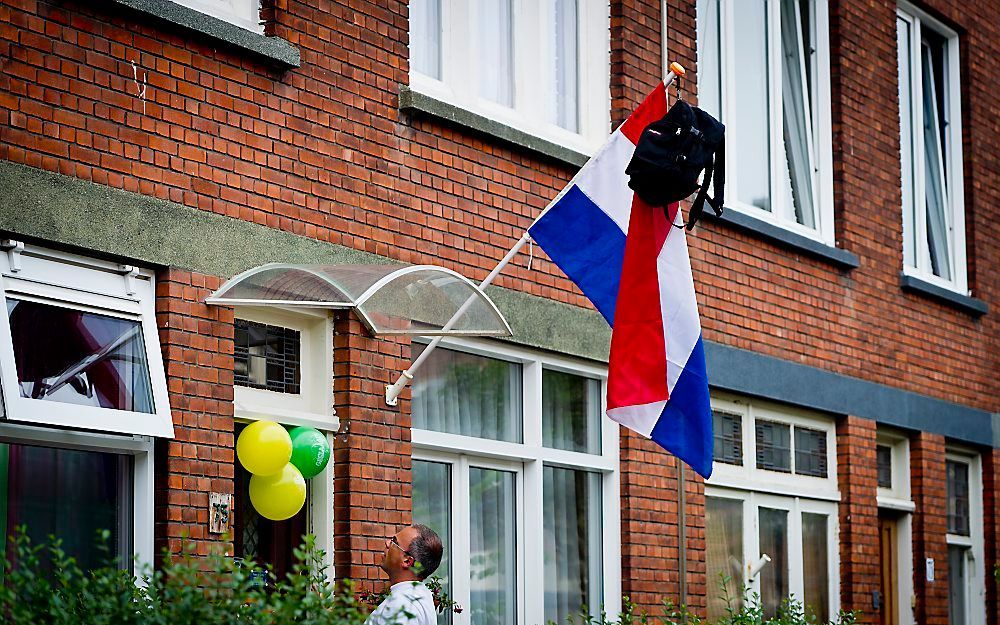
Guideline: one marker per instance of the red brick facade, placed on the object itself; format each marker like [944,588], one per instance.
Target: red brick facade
[324,152]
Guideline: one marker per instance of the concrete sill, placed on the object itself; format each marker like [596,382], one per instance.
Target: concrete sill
[970,305]
[273,50]
[416,103]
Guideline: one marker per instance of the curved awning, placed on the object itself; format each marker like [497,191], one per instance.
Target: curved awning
[390,299]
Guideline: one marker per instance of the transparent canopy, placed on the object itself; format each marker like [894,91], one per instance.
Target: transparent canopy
[390,299]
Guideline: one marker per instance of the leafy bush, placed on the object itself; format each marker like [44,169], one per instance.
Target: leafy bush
[47,587]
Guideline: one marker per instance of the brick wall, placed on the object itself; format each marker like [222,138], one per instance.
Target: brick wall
[372,461]
[930,524]
[197,344]
[857,480]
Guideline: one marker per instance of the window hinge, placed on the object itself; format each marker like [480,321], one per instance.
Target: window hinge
[13,249]
[129,272]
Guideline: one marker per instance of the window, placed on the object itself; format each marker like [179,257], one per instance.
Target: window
[892,464]
[764,70]
[883,466]
[284,373]
[931,151]
[782,504]
[523,447]
[242,13]
[728,433]
[484,57]
[966,574]
[80,344]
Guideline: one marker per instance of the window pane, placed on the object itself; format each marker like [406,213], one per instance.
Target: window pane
[432,507]
[69,494]
[750,128]
[724,555]
[796,112]
[958,497]
[934,162]
[774,575]
[567,64]
[728,445]
[815,563]
[467,394]
[496,51]
[774,446]
[491,498]
[425,37]
[810,452]
[266,357]
[883,462]
[572,528]
[77,357]
[571,412]
[709,69]
[957,584]
[906,139]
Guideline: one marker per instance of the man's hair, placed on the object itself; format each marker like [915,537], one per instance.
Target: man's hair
[426,549]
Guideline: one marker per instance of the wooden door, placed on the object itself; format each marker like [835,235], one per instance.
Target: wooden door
[888,599]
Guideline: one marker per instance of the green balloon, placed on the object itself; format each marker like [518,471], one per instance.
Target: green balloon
[310,451]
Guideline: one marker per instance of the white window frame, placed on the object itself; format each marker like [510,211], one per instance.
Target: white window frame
[530,458]
[81,283]
[782,215]
[140,448]
[242,13]
[917,262]
[311,407]
[533,107]
[975,598]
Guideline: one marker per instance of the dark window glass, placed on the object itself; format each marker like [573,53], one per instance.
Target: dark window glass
[70,495]
[728,437]
[76,357]
[774,448]
[269,544]
[267,357]
[958,497]
[810,452]
[883,462]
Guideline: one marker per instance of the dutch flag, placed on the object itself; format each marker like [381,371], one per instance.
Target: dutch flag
[633,265]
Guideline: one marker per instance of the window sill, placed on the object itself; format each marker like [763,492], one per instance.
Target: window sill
[413,102]
[841,259]
[971,305]
[272,49]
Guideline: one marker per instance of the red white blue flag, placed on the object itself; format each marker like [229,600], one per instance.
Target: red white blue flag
[633,265]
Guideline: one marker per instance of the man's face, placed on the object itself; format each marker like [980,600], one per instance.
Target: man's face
[397,547]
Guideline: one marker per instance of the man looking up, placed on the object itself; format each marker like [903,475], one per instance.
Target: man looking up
[410,557]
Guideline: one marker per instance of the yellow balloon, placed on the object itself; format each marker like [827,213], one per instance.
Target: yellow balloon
[264,447]
[279,496]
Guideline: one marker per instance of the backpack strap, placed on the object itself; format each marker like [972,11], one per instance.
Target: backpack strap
[698,206]
[719,190]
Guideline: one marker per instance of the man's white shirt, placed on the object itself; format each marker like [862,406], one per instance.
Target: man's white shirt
[408,603]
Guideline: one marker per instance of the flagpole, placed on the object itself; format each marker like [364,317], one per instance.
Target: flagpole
[393,390]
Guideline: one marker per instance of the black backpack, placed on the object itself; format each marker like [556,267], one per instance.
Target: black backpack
[671,154]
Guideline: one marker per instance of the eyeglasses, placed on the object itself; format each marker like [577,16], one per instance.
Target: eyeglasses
[392,540]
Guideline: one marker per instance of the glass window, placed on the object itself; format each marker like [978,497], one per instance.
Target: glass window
[69,494]
[709,58]
[572,527]
[728,437]
[930,142]
[958,497]
[773,542]
[567,61]
[432,507]
[816,565]
[242,13]
[76,357]
[495,44]
[774,446]
[467,394]
[724,555]
[883,464]
[571,412]
[493,547]
[266,357]
[810,452]
[425,37]
[750,133]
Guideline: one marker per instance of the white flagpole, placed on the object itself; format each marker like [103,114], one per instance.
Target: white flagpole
[393,390]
